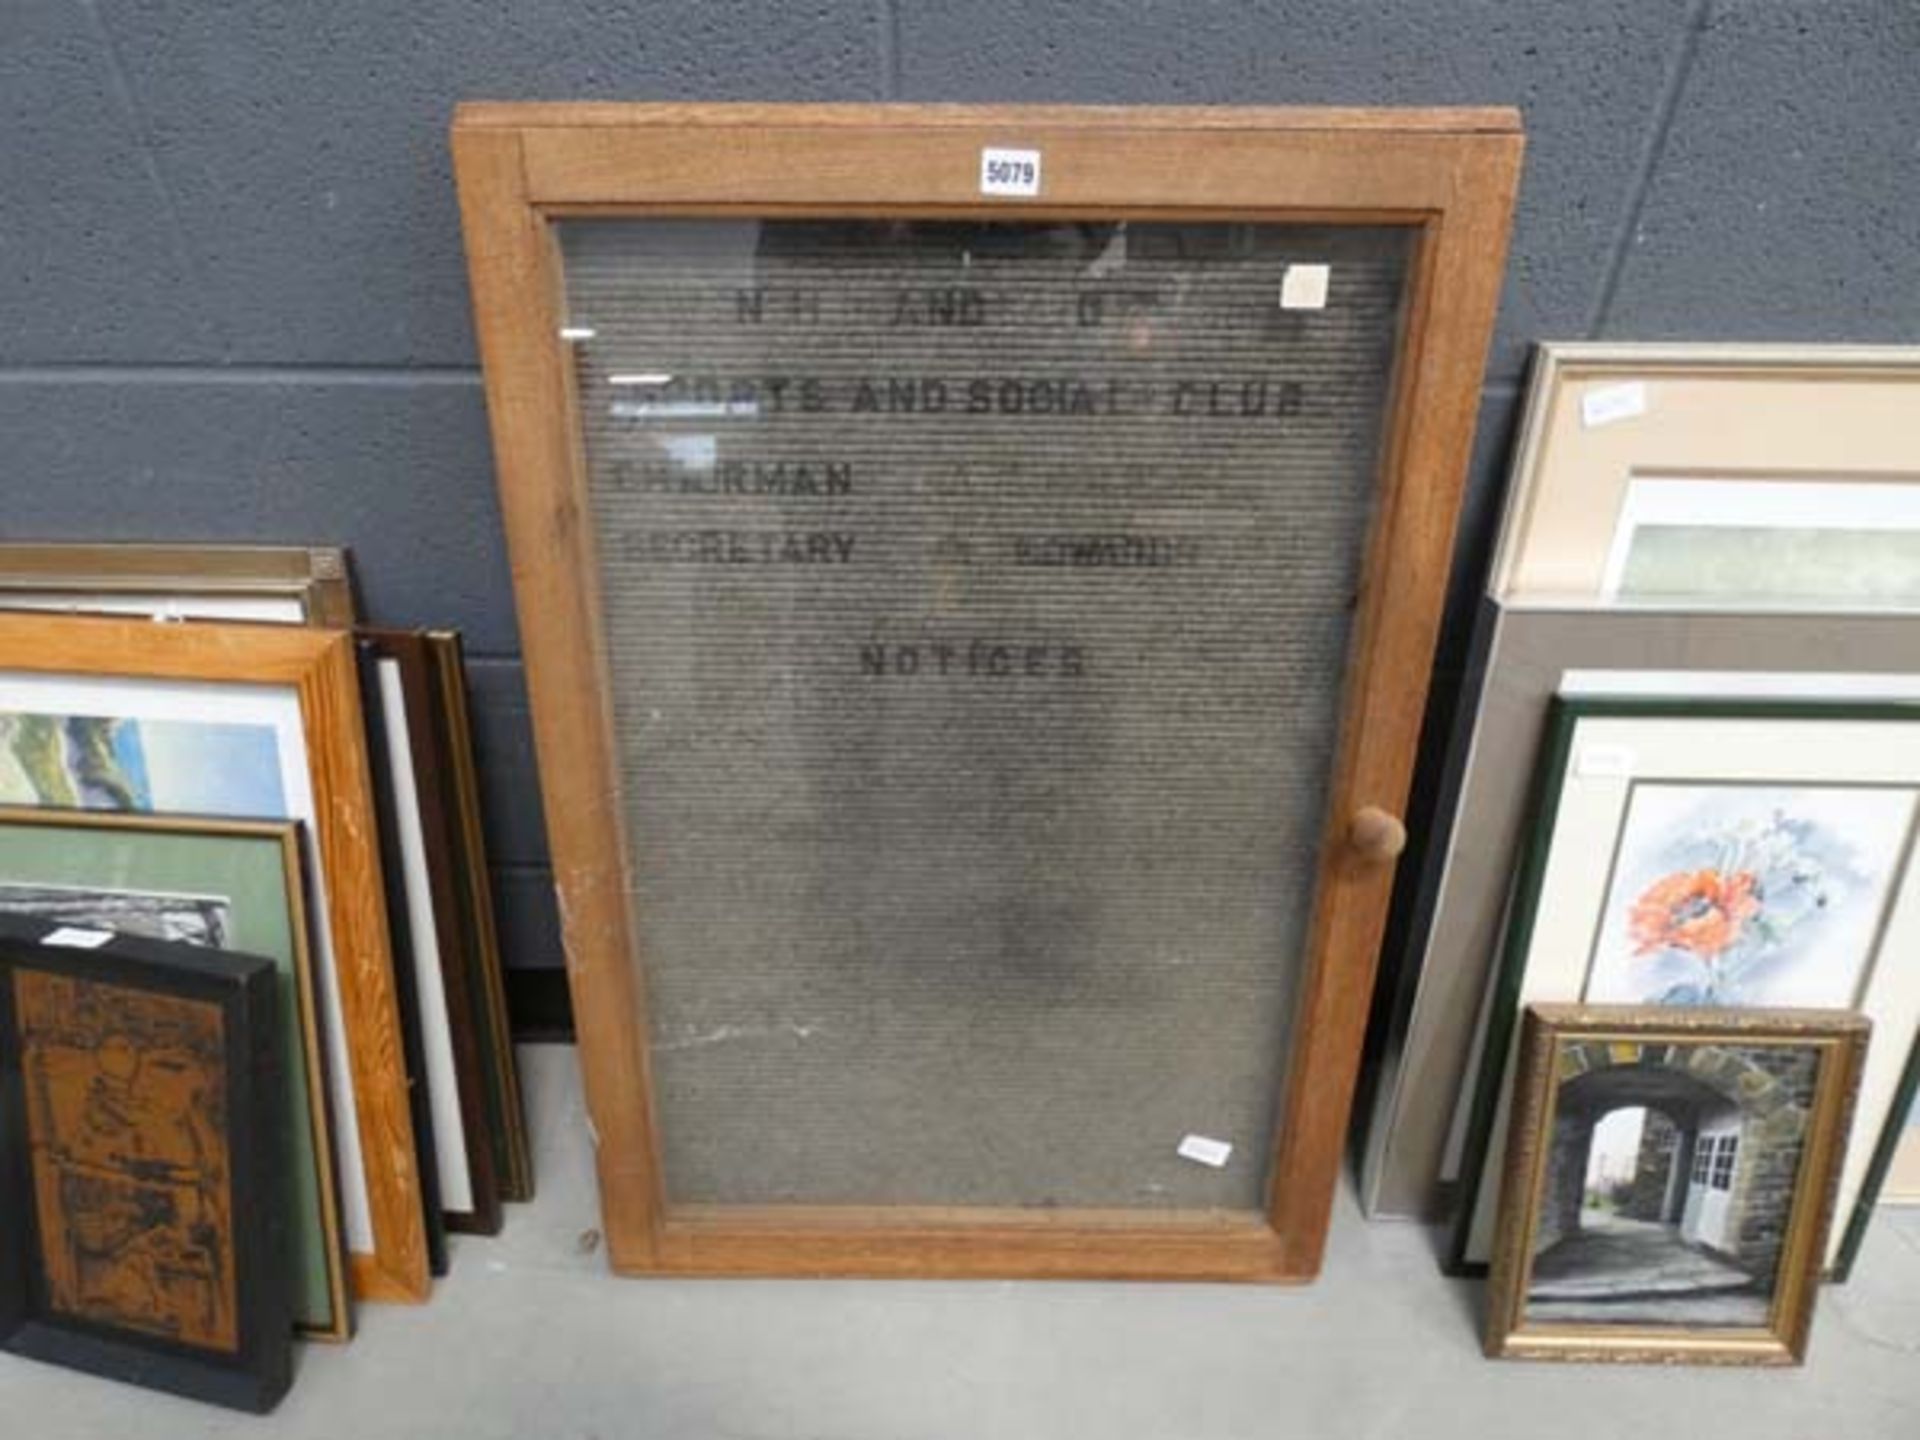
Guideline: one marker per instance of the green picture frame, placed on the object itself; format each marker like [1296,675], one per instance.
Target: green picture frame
[223,884]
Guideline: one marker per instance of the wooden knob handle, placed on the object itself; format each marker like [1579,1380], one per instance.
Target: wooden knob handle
[1375,835]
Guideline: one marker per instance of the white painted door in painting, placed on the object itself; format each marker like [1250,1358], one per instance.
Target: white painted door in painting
[1716,1157]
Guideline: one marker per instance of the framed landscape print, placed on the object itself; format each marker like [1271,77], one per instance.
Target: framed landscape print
[1717,854]
[225,885]
[978,570]
[284,584]
[1523,658]
[1741,477]
[1670,1180]
[142,1164]
[249,721]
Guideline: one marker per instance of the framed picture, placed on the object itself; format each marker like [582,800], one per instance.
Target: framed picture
[142,1163]
[1716,476]
[915,512]
[1524,657]
[284,584]
[1670,1183]
[1716,854]
[249,721]
[413,768]
[226,885]
[513,1150]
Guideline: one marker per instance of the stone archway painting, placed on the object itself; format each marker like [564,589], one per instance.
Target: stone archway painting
[1677,1215]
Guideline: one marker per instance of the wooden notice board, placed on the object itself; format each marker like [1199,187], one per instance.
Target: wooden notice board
[978,570]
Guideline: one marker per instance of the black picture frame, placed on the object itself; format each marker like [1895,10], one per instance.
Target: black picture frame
[452,1023]
[255,1371]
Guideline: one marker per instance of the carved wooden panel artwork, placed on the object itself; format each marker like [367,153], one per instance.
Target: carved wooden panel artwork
[146,1164]
[126,1130]
[978,570]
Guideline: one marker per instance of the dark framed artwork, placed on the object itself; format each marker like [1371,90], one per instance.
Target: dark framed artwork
[412,767]
[917,514]
[1731,854]
[143,1148]
[1670,1183]
[513,1148]
[227,885]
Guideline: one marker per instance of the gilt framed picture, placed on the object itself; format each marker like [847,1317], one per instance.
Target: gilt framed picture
[250,721]
[1670,1179]
[143,1162]
[277,584]
[1713,854]
[224,885]
[978,570]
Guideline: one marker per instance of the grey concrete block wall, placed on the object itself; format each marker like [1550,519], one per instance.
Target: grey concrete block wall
[233,306]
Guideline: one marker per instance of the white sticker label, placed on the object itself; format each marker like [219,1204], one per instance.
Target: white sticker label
[1205,1150]
[1304,287]
[1009,172]
[74,938]
[1605,404]
[1601,762]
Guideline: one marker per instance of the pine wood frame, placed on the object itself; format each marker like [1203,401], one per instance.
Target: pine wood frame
[1449,174]
[1842,1039]
[318,665]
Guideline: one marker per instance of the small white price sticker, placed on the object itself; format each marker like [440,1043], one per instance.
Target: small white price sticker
[1205,1150]
[1604,762]
[1610,404]
[1009,172]
[1304,287]
[72,937]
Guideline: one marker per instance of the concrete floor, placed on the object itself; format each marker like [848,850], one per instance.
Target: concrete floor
[529,1338]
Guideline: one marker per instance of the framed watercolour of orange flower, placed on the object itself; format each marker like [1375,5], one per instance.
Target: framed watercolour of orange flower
[1748,894]
[1738,854]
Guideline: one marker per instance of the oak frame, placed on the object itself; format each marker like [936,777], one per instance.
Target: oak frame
[1783,1341]
[318,666]
[1450,174]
